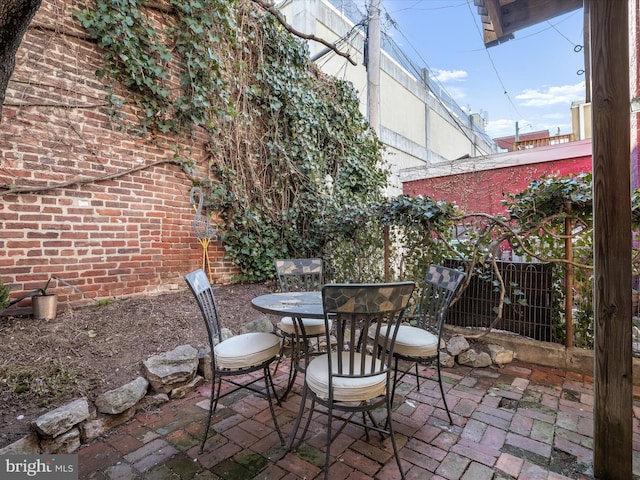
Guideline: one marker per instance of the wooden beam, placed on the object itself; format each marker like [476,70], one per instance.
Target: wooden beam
[587,53]
[612,456]
[525,13]
[501,19]
[495,14]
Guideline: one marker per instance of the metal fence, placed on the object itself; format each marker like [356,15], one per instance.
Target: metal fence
[530,292]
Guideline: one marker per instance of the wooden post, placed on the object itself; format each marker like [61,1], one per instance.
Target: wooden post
[608,24]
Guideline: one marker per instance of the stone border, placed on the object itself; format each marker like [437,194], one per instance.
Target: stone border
[169,375]
[546,354]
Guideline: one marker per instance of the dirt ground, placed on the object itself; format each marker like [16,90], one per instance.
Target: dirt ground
[86,351]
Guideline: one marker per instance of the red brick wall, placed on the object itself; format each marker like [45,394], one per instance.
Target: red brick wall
[126,227]
[483,191]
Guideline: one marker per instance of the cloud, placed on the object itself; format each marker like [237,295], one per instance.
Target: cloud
[444,76]
[500,128]
[555,116]
[546,96]
[459,94]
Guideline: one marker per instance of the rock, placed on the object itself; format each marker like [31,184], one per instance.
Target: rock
[58,421]
[171,369]
[262,324]
[118,400]
[92,429]
[224,334]
[446,360]
[66,443]
[204,363]
[500,355]
[457,344]
[181,391]
[151,401]
[29,445]
[473,359]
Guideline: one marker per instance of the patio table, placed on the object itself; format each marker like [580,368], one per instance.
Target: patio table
[296,305]
[292,304]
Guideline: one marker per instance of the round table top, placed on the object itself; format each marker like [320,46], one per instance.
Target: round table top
[292,304]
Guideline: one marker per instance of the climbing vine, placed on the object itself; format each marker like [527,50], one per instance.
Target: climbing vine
[140,56]
[310,151]
[285,141]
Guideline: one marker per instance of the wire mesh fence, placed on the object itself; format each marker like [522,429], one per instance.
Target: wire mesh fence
[528,309]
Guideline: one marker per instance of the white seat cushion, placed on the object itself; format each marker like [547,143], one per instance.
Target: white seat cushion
[312,326]
[411,341]
[247,350]
[344,389]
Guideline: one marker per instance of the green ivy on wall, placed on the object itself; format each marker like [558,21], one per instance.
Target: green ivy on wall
[287,143]
[316,154]
[139,56]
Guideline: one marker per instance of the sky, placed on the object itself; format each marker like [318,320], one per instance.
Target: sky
[532,79]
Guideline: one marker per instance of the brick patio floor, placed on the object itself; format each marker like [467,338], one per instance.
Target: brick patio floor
[520,421]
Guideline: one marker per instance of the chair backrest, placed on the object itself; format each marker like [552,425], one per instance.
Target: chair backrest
[201,288]
[299,274]
[438,290]
[355,310]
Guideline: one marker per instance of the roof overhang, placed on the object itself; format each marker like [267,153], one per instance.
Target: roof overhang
[502,18]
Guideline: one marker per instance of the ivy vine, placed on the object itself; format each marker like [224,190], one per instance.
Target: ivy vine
[140,57]
[297,146]
[293,169]
[314,153]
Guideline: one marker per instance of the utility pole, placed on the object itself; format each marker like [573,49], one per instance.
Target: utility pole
[373,66]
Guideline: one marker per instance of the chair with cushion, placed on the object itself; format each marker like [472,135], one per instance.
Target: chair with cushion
[295,275]
[418,342]
[236,356]
[355,377]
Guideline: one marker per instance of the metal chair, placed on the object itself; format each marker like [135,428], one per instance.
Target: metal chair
[356,376]
[420,344]
[235,356]
[295,275]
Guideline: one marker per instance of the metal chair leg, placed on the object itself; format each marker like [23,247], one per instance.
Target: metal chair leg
[268,384]
[296,425]
[393,438]
[213,402]
[444,399]
[327,454]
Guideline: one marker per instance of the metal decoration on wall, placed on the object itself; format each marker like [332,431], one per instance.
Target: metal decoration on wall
[203,228]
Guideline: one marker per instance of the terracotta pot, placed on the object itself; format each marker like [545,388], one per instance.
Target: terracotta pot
[45,307]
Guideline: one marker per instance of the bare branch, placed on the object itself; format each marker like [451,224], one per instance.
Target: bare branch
[81,181]
[274,11]
[518,238]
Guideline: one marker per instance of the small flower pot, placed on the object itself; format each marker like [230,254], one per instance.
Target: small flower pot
[45,307]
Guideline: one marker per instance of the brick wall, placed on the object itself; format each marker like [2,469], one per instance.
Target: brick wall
[107,212]
[482,191]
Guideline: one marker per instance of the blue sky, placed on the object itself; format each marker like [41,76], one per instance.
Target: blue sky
[532,79]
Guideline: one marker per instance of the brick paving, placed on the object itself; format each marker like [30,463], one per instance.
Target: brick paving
[517,422]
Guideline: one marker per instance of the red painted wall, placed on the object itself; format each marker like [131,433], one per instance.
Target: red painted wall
[483,191]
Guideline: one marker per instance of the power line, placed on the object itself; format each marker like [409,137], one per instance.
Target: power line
[493,65]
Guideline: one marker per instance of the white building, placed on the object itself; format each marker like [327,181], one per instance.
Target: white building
[420,124]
